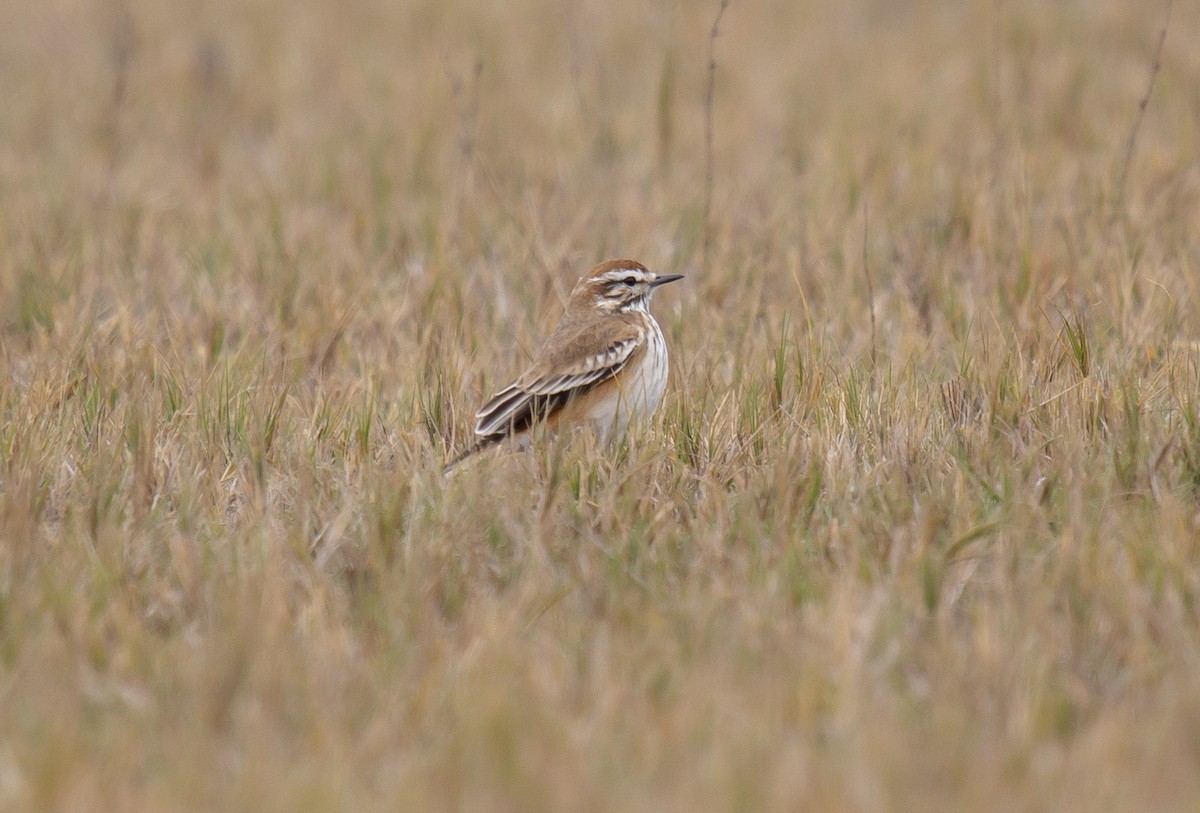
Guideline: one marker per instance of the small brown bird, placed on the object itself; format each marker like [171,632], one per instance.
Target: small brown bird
[604,364]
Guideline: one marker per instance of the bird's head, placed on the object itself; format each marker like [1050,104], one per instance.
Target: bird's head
[618,285]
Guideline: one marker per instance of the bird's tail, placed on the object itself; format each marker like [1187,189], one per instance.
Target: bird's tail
[478,446]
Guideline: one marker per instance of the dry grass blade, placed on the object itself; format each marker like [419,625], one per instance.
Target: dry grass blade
[710,92]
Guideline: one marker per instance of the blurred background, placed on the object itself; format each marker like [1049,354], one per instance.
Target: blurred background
[915,528]
[375,141]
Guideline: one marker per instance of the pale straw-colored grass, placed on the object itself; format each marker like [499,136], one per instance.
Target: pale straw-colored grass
[259,262]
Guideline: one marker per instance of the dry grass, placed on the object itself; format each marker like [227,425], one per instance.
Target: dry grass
[259,261]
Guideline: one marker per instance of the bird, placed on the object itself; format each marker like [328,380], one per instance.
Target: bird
[603,366]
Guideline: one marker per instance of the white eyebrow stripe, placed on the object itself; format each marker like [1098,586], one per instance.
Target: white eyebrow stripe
[619,274]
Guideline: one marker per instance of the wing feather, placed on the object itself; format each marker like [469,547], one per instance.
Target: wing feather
[540,391]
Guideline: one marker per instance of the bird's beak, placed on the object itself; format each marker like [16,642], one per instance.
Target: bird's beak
[663,279]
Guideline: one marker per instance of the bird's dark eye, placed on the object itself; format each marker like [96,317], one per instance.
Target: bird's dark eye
[630,281]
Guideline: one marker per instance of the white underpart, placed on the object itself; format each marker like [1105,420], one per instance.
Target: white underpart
[640,393]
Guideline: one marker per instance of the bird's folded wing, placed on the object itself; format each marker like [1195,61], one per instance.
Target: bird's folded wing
[569,370]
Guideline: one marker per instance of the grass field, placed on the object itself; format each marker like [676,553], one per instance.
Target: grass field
[917,527]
